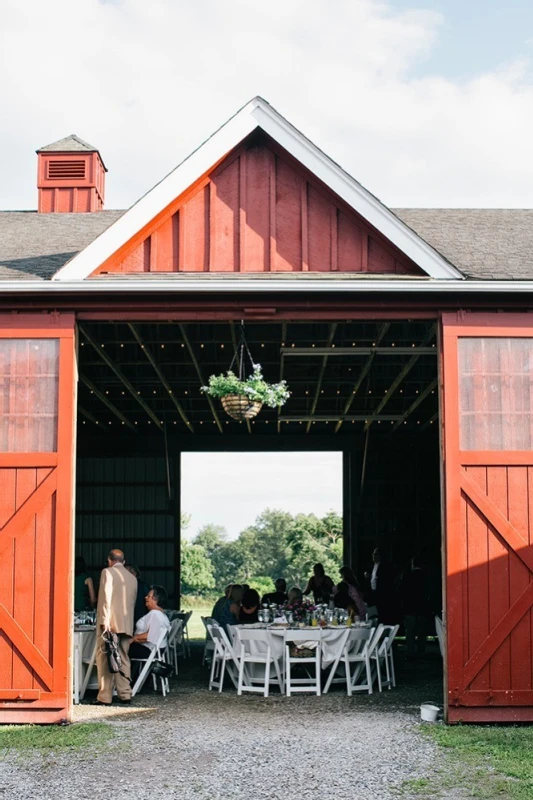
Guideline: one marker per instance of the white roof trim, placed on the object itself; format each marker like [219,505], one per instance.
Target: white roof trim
[257,113]
[175,288]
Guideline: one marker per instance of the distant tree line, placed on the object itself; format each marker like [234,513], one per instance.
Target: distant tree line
[278,544]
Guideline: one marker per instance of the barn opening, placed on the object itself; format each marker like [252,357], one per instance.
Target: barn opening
[364,389]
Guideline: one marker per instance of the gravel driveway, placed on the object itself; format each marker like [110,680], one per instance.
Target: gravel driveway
[202,745]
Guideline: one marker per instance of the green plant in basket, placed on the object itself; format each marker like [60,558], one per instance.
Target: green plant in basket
[254,388]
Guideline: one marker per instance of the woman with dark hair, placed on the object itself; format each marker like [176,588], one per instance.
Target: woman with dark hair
[249,607]
[148,628]
[319,584]
[84,594]
[347,593]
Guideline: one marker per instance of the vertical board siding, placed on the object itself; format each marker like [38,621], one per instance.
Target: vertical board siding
[260,211]
[123,502]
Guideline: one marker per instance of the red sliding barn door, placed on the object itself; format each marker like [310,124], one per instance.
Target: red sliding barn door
[488,452]
[37,406]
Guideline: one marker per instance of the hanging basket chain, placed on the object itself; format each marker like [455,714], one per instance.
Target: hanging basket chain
[239,354]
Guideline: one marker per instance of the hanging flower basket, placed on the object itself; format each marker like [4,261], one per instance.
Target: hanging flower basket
[240,407]
[242,398]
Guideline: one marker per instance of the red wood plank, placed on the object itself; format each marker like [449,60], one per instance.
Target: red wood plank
[288,253]
[8,478]
[498,575]
[43,629]
[255,226]
[379,259]
[519,577]
[488,715]
[164,243]
[319,216]
[478,583]
[224,220]
[31,506]
[25,647]
[24,579]
[194,233]
[350,245]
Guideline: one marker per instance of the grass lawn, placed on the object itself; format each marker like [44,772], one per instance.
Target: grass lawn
[485,761]
[54,737]
[196,626]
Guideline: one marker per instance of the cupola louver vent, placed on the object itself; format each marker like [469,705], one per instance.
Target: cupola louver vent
[66,170]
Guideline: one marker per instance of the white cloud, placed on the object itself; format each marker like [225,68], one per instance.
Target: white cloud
[232,489]
[147,82]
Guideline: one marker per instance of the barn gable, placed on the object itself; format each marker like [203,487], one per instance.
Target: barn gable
[259,211]
[259,197]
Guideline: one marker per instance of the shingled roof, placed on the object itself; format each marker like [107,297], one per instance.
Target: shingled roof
[487,244]
[69,144]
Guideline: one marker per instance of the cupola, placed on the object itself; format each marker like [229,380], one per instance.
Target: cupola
[70,177]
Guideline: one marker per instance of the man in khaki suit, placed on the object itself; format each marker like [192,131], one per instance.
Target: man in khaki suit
[116,601]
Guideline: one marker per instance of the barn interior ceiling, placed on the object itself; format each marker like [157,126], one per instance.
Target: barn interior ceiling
[343,376]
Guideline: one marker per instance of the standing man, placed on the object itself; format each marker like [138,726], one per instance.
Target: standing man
[116,602]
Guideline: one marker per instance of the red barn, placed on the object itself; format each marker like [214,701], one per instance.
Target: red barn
[406,337]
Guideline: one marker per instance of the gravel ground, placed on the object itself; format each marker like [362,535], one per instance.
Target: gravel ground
[199,744]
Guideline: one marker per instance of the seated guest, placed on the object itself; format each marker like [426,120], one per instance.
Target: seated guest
[279,596]
[231,609]
[220,603]
[295,595]
[148,628]
[347,593]
[142,590]
[84,594]
[249,607]
[319,584]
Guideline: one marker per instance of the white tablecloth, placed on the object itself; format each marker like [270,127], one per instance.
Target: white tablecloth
[84,650]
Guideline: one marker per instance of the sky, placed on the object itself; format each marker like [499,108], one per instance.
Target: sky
[232,489]
[427,103]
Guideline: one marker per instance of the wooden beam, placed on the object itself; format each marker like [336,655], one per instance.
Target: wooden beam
[120,375]
[404,372]
[83,411]
[281,366]
[102,397]
[331,336]
[420,399]
[382,330]
[430,421]
[234,343]
[194,360]
[358,351]
[372,417]
[148,353]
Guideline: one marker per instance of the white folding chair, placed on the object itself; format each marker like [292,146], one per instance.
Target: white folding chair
[439,627]
[155,653]
[185,640]
[209,646]
[176,628]
[382,655]
[311,683]
[334,653]
[360,656]
[224,658]
[252,648]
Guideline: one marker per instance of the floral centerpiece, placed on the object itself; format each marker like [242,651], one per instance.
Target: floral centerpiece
[300,609]
[243,398]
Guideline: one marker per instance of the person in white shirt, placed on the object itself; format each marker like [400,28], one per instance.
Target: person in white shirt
[148,628]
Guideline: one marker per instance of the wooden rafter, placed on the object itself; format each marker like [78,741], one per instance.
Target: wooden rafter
[101,396]
[364,372]
[158,371]
[430,421]
[329,343]
[234,343]
[281,365]
[347,418]
[87,414]
[358,351]
[420,399]
[194,360]
[406,369]
[120,375]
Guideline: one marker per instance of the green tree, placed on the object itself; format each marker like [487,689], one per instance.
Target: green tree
[211,537]
[197,574]
[313,540]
